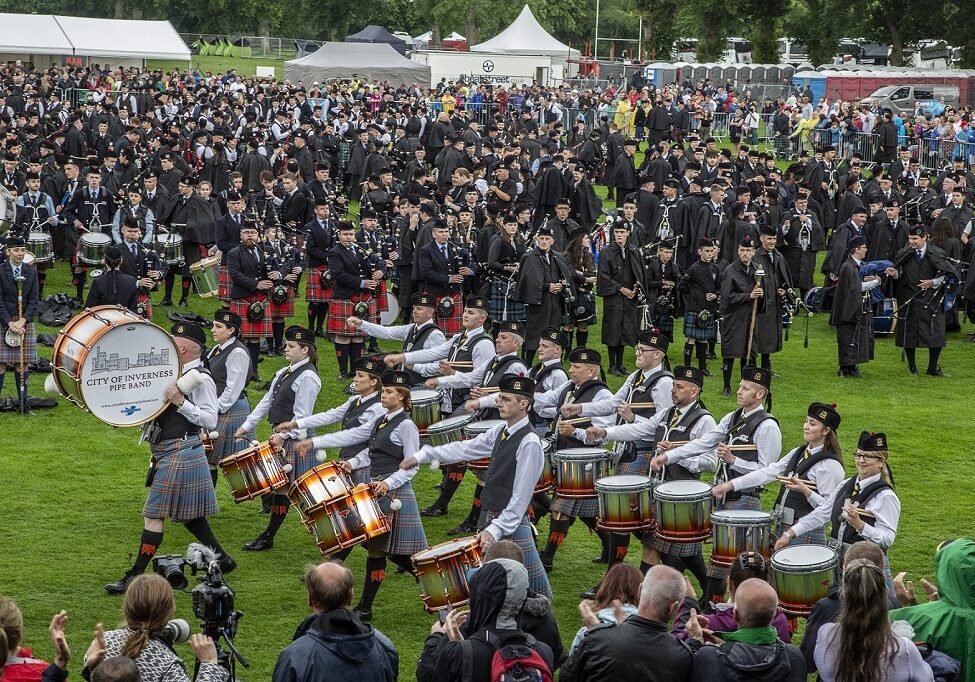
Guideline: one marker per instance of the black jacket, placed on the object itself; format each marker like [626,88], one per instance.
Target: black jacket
[227,235]
[350,270]
[114,288]
[740,662]
[8,293]
[437,270]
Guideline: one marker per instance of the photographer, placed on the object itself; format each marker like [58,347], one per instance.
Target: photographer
[333,638]
[149,605]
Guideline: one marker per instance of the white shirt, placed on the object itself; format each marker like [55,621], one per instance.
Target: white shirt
[346,436]
[238,363]
[481,373]
[425,361]
[661,394]
[885,506]
[306,388]
[556,377]
[547,406]
[402,332]
[405,434]
[200,406]
[528,468]
[827,474]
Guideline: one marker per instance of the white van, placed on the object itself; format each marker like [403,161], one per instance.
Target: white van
[901,98]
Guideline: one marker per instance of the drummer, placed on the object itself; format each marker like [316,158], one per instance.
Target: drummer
[422,334]
[292,396]
[759,440]
[809,473]
[516,457]
[230,365]
[870,491]
[19,320]
[142,263]
[35,213]
[357,416]
[686,420]
[584,386]
[393,435]
[179,487]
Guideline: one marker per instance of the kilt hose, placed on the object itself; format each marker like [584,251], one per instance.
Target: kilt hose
[524,537]
[181,488]
[251,331]
[340,310]
[406,535]
[11,356]
[225,445]
[314,292]
[453,323]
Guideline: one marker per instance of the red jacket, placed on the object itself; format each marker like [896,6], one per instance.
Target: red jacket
[22,668]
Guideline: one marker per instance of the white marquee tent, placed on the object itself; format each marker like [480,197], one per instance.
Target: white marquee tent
[526,36]
[371,61]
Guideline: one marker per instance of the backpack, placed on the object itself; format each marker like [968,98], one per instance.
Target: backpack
[515,659]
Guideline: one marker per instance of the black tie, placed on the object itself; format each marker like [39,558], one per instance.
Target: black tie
[920,255]
[133,248]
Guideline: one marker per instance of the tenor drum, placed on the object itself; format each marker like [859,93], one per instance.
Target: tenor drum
[682,510]
[91,250]
[8,210]
[115,364]
[886,321]
[624,504]
[346,520]
[169,246]
[546,480]
[40,245]
[255,471]
[449,430]
[206,276]
[442,572]
[472,430]
[577,469]
[801,575]
[737,531]
[318,485]
[426,408]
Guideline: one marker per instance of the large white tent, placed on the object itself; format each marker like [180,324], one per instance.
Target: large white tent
[370,61]
[525,36]
[26,36]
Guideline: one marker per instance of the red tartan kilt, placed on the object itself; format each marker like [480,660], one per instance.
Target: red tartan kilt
[341,310]
[223,293]
[248,329]
[281,310]
[147,302]
[453,324]
[314,293]
[382,304]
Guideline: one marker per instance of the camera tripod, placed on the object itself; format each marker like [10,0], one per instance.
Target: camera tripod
[225,630]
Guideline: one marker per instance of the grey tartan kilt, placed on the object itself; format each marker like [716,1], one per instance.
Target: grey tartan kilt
[225,444]
[181,488]
[11,356]
[585,507]
[406,535]
[525,539]
[692,331]
[678,549]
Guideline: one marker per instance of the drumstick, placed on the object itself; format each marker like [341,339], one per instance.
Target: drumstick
[576,420]
[865,513]
[742,447]
[788,479]
[642,406]
[461,364]
[489,389]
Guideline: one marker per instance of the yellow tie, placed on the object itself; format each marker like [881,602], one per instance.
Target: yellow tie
[383,422]
[504,434]
[674,419]
[856,488]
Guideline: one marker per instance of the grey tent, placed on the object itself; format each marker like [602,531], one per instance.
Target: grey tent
[377,34]
[366,61]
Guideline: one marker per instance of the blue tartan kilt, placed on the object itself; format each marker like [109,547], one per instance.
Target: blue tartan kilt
[746,503]
[407,536]
[225,444]
[300,464]
[664,325]
[525,539]
[516,310]
[692,331]
[574,506]
[181,488]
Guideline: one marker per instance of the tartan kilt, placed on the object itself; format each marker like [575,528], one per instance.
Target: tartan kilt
[146,301]
[300,464]
[181,489]
[340,310]
[640,466]
[453,324]
[314,293]
[586,507]
[525,539]
[251,330]
[691,331]
[678,549]
[407,535]
[382,304]
[11,356]
[225,444]
[665,325]
[499,301]
[225,283]
[279,311]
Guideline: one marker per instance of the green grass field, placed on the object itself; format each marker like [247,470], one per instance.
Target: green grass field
[215,64]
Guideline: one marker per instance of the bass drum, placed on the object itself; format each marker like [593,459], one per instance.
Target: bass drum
[115,364]
[8,209]
[388,316]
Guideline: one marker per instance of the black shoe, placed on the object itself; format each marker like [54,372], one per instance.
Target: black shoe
[182,303]
[601,559]
[707,372]
[320,334]
[464,528]
[166,302]
[260,543]
[438,485]
[364,616]
[343,376]
[616,372]
[264,510]
[841,372]
[373,348]
[401,569]
[272,352]
[936,372]
[350,390]
[624,370]
[122,585]
[726,392]
[546,563]
[255,377]
[434,509]
[590,593]
[227,564]
[912,371]
[854,373]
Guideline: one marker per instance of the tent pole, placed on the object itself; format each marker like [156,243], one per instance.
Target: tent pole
[595,47]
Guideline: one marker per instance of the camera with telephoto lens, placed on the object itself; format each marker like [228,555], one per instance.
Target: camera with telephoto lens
[175,632]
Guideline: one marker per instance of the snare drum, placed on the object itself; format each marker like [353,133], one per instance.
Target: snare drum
[255,471]
[426,408]
[346,520]
[624,503]
[170,248]
[801,575]
[206,276]
[40,245]
[682,510]
[92,247]
[577,469]
[442,571]
[546,480]
[479,467]
[115,364]
[737,531]
[449,430]
[318,485]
